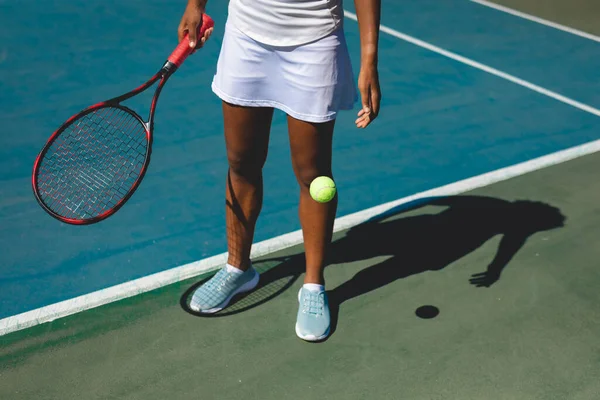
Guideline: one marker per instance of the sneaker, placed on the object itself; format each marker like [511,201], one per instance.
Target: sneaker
[217,292]
[313,321]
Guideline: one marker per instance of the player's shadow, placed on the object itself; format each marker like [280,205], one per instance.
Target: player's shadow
[433,240]
[426,235]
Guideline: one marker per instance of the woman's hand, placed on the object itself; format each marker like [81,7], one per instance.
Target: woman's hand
[368,85]
[191,19]
[368,13]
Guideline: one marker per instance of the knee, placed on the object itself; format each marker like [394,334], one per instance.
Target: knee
[305,175]
[244,164]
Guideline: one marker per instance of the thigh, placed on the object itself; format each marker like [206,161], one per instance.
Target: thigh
[247,132]
[317,79]
[311,148]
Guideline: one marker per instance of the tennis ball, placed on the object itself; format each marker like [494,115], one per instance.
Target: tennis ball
[322,189]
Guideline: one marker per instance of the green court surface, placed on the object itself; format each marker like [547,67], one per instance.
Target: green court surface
[530,335]
[580,14]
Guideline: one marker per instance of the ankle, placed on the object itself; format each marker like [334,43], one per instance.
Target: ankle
[317,280]
[243,266]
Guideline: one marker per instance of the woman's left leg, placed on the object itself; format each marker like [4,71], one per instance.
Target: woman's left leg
[311,148]
[311,157]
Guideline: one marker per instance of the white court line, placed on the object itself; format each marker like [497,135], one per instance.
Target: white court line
[483,67]
[177,274]
[538,20]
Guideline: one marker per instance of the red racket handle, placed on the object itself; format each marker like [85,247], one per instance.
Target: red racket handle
[183,50]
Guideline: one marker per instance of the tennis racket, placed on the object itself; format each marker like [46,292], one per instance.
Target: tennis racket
[96,159]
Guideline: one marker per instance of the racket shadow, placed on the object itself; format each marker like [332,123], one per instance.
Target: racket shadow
[277,275]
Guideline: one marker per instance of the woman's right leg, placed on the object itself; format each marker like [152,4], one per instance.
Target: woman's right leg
[247,141]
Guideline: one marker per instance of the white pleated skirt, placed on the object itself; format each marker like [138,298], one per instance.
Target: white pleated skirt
[310,82]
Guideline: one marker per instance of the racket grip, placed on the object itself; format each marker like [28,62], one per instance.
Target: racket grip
[183,50]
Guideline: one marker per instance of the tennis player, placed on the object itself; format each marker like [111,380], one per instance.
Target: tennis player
[289,55]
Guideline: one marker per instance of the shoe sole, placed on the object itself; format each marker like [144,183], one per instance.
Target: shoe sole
[310,338]
[246,287]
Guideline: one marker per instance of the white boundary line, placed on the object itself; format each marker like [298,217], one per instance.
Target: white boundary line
[538,20]
[482,67]
[177,274]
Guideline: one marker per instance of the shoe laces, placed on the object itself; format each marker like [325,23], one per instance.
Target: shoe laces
[313,303]
[220,280]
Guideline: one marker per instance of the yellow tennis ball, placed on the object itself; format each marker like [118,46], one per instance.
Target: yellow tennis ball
[322,189]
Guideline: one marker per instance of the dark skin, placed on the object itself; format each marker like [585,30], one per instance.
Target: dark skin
[247,133]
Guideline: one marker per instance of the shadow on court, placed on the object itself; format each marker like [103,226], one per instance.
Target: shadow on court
[429,241]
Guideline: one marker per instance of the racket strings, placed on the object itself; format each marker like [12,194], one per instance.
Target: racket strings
[93,164]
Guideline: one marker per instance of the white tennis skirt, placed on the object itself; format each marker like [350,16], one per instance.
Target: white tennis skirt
[310,82]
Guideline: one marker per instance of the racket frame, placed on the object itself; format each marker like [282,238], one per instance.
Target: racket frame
[162,76]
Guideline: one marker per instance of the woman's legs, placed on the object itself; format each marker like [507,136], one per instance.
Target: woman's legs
[247,140]
[311,146]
